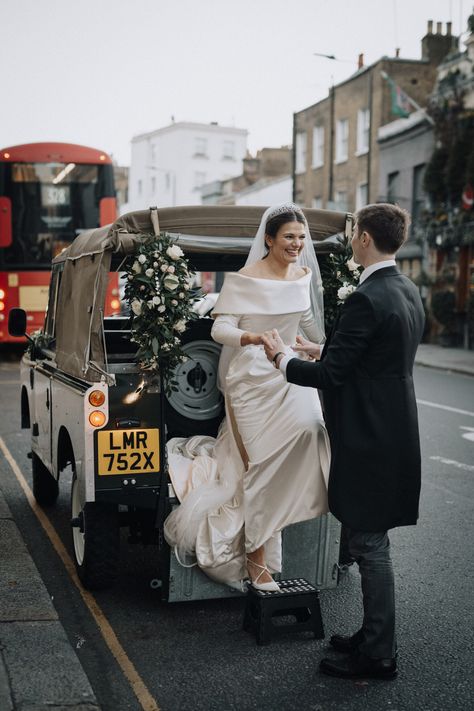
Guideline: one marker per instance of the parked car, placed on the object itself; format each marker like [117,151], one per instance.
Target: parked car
[89,405]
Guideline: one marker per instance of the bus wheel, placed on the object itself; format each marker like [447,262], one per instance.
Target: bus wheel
[96,540]
[45,486]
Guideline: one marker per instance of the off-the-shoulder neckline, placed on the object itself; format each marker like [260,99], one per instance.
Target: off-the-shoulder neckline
[284,281]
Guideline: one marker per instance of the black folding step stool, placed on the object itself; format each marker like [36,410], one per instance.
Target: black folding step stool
[296,598]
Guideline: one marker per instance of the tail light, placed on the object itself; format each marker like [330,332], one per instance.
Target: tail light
[97,418]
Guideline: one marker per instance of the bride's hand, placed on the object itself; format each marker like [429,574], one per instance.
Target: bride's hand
[312,350]
[251,339]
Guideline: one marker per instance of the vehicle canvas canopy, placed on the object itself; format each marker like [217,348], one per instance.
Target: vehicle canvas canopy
[201,230]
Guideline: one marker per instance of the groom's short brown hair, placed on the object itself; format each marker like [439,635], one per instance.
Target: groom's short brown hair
[387,224]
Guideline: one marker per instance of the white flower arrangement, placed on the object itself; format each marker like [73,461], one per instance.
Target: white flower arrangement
[345,290]
[159,315]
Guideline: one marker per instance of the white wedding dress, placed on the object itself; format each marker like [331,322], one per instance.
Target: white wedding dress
[228,507]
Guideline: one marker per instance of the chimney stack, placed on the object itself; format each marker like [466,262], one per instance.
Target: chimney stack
[397,52]
[360,61]
[436,47]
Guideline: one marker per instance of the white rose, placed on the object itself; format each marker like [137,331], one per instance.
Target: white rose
[161,308]
[344,291]
[170,269]
[155,265]
[164,267]
[187,287]
[171,282]
[142,259]
[352,264]
[130,277]
[149,272]
[136,267]
[181,294]
[142,288]
[156,300]
[174,252]
[174,302]
[156,255]
[180,326]
[136,307]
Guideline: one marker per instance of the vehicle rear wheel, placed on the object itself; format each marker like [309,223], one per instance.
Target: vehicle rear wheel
[96,540]
[45,486]
[197,407]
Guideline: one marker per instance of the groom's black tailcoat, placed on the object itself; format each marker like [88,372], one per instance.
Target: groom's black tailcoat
[369,403]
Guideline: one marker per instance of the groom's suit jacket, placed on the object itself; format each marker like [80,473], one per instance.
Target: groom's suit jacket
[365,374]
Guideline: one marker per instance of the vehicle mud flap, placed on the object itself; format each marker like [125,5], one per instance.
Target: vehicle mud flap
[45,486]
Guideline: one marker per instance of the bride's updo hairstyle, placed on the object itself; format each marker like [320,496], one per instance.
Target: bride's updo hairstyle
[279,219]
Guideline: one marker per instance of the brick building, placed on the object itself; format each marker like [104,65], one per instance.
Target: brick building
[336,153]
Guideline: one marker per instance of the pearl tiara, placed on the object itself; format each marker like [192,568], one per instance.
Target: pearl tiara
[287,207]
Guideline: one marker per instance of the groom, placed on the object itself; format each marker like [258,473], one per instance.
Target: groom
[365,375]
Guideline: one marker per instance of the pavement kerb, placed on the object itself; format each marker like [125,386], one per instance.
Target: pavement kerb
[454,360]
[31,630]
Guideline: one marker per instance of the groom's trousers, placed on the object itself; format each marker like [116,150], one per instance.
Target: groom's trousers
[371,551]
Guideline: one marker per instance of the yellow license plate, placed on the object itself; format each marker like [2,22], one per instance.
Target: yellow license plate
[128,452]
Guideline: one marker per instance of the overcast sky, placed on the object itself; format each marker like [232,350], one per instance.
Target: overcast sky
[98,72]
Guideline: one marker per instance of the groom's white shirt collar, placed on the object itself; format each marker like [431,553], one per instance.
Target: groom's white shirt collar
[375,267]
[366,273]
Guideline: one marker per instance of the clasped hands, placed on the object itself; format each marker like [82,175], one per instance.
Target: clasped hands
[273,344]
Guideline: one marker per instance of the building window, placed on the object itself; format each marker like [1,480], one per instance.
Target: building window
[361,195]
[153,185]
[139,187]
[199,180]
[200,148]
[317,203]
[342,140]
[300,157]
[419,196]
[341,200]
[318,146]
[363,129]
[228,152]
[152,154]
[393,186]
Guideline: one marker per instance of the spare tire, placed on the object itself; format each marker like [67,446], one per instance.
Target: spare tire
[197,406]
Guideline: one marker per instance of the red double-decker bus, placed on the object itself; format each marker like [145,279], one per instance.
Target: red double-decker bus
[49,193]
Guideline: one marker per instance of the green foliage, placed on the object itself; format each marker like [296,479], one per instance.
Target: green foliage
[340,275]
[161,300]
[434,181]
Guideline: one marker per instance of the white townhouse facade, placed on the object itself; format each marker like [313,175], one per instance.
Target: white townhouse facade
[170,165]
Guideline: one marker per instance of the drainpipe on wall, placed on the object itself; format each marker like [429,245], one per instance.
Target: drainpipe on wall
[369,152]
[332,96]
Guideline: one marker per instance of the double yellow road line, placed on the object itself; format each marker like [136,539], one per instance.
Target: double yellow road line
[145,699]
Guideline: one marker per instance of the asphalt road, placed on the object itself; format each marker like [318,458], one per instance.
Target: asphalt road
[195,656]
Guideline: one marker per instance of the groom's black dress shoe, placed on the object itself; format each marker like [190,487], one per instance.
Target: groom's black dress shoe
[358,666]
[346,644]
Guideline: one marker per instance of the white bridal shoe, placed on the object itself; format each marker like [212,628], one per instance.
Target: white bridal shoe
[271,586]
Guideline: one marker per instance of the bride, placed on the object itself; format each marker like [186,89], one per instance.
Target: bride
[269,465]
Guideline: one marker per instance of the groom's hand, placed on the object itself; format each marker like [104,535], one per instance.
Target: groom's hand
[273,345]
